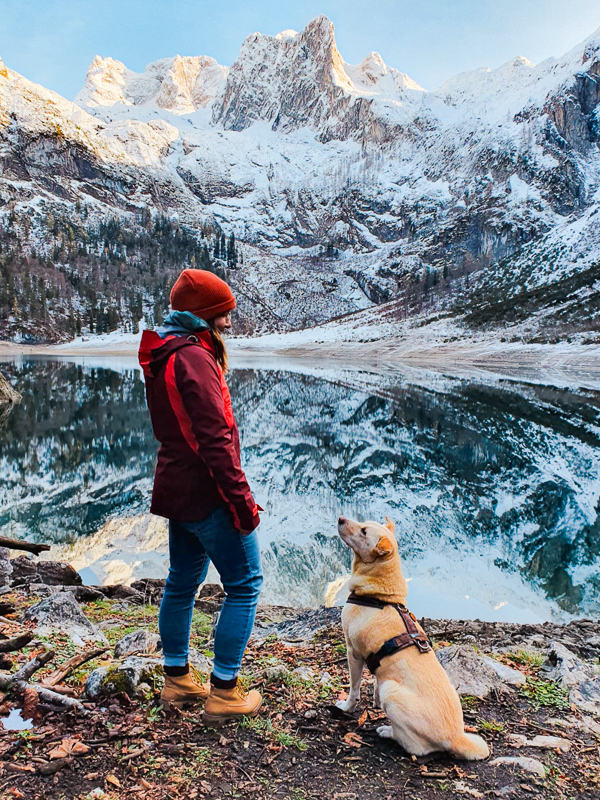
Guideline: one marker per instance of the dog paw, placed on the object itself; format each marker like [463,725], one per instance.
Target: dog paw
[346,705]
[385,731]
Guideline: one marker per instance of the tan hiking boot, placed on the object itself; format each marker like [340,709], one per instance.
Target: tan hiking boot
[226,704]
[183,689]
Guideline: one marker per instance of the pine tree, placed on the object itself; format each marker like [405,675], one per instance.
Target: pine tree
[231,252]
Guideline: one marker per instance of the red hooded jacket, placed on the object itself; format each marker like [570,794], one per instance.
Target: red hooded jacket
[198,468]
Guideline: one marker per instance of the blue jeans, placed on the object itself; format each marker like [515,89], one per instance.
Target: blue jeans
[237,559]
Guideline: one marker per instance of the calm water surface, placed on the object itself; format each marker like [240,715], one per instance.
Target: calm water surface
[493,483]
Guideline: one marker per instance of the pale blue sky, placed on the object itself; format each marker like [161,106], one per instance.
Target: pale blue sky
[53,41]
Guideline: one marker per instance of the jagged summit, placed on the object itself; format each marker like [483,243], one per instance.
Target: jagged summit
[374,75]
[295,80]
[181,84]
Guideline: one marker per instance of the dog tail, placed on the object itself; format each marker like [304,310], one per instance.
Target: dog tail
[470,747]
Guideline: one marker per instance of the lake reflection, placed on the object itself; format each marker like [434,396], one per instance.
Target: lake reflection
[493,484]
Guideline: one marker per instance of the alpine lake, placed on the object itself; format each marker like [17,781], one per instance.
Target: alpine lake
[493,481]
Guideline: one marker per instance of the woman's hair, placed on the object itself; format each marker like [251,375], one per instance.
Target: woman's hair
[219,343]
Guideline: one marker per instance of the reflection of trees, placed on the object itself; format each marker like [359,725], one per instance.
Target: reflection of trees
[8,398]
[76,450]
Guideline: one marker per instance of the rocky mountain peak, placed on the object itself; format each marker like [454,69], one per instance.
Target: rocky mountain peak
[295,80]
[320,33]
[181,84]
[104,83]
[374,75]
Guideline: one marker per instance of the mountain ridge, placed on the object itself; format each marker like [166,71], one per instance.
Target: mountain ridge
[349,177]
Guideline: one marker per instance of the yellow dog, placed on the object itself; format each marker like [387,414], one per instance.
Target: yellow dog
[411,685]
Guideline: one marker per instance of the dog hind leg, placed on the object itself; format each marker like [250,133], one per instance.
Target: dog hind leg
[355,667]
[409,727]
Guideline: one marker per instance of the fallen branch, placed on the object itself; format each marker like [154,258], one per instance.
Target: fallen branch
[135,753]
[63,689]
[17,544]
[9,645]
[60,674]
[27,670]
[9,682]
[20,681]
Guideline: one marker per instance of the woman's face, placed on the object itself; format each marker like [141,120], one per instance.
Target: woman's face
[222,323]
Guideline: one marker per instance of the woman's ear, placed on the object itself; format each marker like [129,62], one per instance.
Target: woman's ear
[390,525]
[384,548]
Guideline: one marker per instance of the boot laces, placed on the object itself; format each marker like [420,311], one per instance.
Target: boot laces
[196,675]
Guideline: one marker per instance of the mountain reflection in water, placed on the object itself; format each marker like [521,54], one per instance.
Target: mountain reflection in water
[493,483]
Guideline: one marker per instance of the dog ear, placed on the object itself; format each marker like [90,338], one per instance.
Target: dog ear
[390,525]
[384,547]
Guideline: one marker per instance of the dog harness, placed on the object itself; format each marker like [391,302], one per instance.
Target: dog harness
[412,637]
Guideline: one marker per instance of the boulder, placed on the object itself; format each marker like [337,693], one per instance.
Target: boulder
[140,641]
[506,674]
[523,763]
[151,588]
[60,613]
[85,594]
[125,676]
[120,591]
[276,674]
[200,662]
[51,573]
[214,590]
[5,567]
[469,673]
[580,679]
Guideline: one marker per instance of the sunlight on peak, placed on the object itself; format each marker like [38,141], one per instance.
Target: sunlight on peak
[288,34]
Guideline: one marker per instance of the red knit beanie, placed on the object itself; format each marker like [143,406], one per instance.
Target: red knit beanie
[202,293]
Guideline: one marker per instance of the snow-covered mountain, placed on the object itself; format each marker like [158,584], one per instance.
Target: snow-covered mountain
[355,176]
[180,85]
[299,80]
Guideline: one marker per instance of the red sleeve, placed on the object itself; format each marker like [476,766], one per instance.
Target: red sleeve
[194,387]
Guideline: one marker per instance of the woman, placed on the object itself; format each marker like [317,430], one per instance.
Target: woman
[199,485]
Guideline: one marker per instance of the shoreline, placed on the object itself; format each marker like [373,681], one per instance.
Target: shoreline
[486,354]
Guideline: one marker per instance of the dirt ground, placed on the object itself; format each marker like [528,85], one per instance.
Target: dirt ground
[300,746]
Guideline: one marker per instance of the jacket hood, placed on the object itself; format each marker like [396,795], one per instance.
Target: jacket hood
[155,350]
[178,323]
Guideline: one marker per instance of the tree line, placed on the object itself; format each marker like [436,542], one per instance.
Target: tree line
[67,274]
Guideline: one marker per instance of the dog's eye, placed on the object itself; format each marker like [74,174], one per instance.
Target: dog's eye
[363,531]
